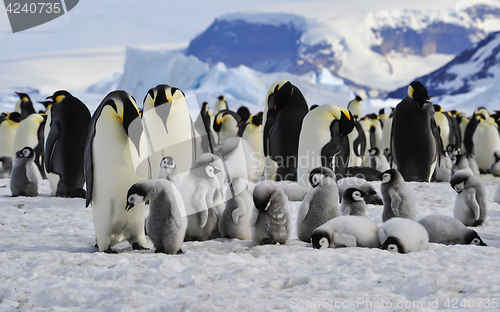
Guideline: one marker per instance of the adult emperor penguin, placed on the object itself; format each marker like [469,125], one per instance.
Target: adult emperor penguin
[346,231]
[8,129]
[168,128]
[415,137]
[449,231]
[23,180]
[400,235]
[252,132]
[235,219]
[168,171]
[398,199]
[353,203]
[203,126]
[356,107]
[486,141]
[166,223]
[495,164]
[470,203]
[226,125]
[378,160]
[198,190]
[220,105]
[320,204]
[323,140]
[270,222]
[31,133]
[24,106]
[285,110]
[357,144]
[65,145]
[443,123]
[113,151]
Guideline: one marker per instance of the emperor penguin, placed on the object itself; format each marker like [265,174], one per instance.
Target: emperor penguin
[235,219]
[459,162]
[443,169]
[353,203]
[371,196]
[65,145]
[6,167]
[323,141]
[400,235]
[378,161]
[252,132]
[368,127]
[198,190]
[113,151]
[271,219]
[168,170]
[30,132]
[8,129]
[386,133]
[462,121]
[346,231]
[24,106]
[449,231]
[320,204]
[470,203]
[220,105]
[495,164]
[284,112]
[398,198]
[23,180]
[244,114]
[226,125]
[486,141]
[415,140]
[167,222]
[357,144]
[203,126]
[168,128]
[382,116]
[356,107]
[443,124]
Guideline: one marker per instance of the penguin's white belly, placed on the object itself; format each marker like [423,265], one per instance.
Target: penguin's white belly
[485,144]
[354,231]
[311,142]
[7,133]
[462,211]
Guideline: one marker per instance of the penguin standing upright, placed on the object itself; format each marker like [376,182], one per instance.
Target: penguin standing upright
[220,105]
[24,106]
[285,110]
[168,171]
[470,203]
[415,137]
[398,199]
[486,141]
[357,144]
[65,145]
[168,128]
[114,146]
[206,135]
[8,129]
[252,132]
[353,203]
[23,180]
[226,125]
[31,133]
[323,140]
[378,160]
[6,167]
[356,107]
[235,219]
[495,164]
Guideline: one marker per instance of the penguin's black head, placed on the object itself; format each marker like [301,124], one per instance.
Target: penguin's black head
[358,98]
[459,179]
[418,92]
[244,113]
[320,239]
[205,110]
[318,174]
[313,107]
[136,194]
[221,97]
[393,244]
[437,108]
[168,162]
[374,151]
[60,95]
[282,94]
[451,149]
[346,122]
[354,194]
[15,117]
[46,104]
[23,97]
[26,152]
[204,167]
[389,176]
[473,239]
[256,120]
[382,111]
[221,116]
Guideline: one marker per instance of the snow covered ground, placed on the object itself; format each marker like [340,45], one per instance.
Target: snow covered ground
[48,263]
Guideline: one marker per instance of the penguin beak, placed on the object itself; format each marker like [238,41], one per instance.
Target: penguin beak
[129,206]
[216,170]
[380,177]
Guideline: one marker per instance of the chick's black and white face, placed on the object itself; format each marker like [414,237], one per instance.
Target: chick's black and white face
[386,178]
[476,241]
[357,196]
[211,171]
[168,163]
[24,153]
[459,187]
[454,160]
[135,199]
[316,179]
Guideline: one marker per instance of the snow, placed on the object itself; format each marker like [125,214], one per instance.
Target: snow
[276,19]
[48,263]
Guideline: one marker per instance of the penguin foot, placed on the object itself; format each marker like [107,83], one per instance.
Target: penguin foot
[136,246]
[266,241]
[110,251]
[159,251]
[180,252]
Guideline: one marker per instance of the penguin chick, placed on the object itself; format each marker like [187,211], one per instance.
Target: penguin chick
[320,204]
[168,170]
[23,180]
[470,203]
[473,165]
[6,168]
[166,223]
[371,195]
[459,162]
[495,164]
[270,223]
[398,199]
[378,160]
[443,168]
[235,219]
[403,236]
[449,231]
[353,203]
[346,231]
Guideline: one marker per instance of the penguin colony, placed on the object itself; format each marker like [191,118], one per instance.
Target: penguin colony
[233,174]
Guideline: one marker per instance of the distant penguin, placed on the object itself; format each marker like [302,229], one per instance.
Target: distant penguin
[346,231]
[415,141]
[23,180]
[382,116]
[220,105]
[449,231]
[462,121]
[443,169]
[235,220]
[65,145]
[226,125]
[285,110]
[386,133]
[470,203]
[444,124]
[168,128]
[320,204]
[323,141]
[30,132]
[452,150]
[495,164]
[112,151]
[398,198]
[241,160]
[270,222]
[198,190]
[252,132]
[400,235]
[8,129]
[369,129]
[356,107]
[24,106]
[168,171]
[486,141]
[203,126]
[353,203]
[371,196]
[166,223]
[6,167]
[378,160]
[357,145]
[244,114]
